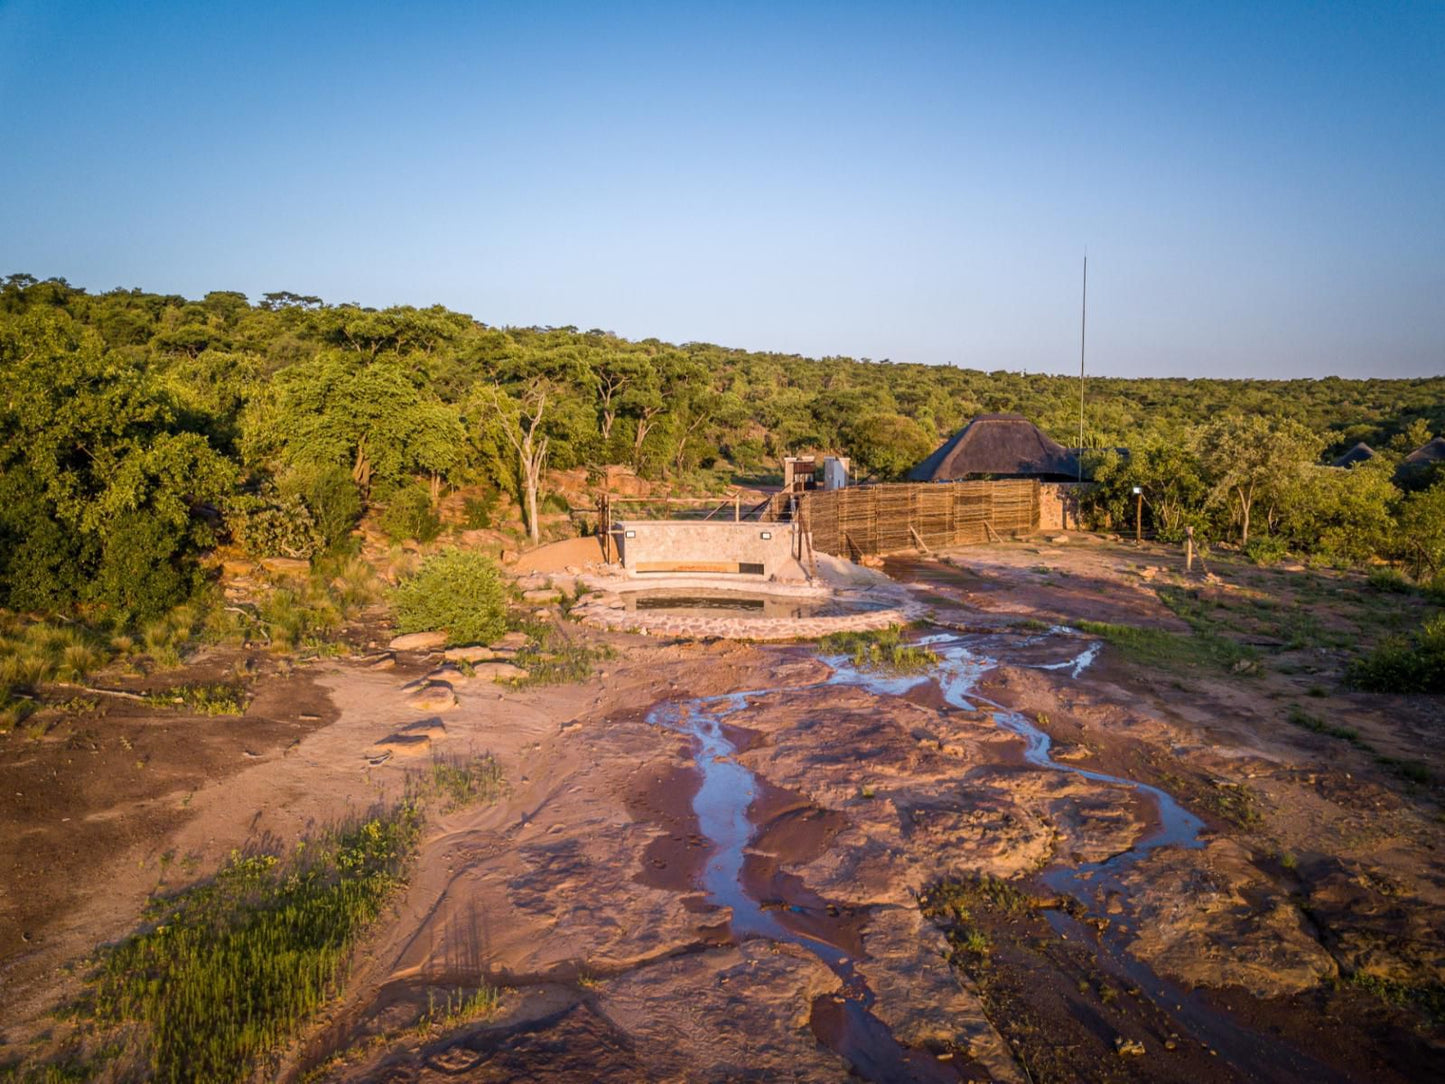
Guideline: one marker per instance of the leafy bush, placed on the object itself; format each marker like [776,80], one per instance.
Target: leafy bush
[145,567]
[273,526]
[554,504]
[1404,664]
[458,591]
[334,500]
[1390,581]
[409,514]
[1266,549]
[480,512]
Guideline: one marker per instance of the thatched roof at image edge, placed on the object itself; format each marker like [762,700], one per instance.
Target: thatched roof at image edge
[1423,456]
[1000,446]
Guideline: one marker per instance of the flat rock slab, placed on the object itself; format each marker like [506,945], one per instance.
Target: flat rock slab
[472,653]
[512,641]
[499,671]
[401,745]
[286,566]
[433,696]
[745,1009]
[419,641]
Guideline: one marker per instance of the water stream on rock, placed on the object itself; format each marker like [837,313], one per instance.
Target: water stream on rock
[728,789]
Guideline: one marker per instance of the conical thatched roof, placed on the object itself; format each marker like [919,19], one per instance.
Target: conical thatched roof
[1000,446]
[1423,456]
[1358,454]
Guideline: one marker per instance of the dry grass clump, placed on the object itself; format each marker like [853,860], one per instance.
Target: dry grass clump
[35,652]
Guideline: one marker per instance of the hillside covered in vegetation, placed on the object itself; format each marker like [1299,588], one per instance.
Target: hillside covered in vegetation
[137,429]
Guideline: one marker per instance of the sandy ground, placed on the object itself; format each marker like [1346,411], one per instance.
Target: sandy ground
[579,892]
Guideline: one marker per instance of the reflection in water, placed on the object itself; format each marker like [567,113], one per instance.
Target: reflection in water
[850,1029]
[689,603]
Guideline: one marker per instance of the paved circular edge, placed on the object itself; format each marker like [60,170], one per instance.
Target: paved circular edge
[610,614]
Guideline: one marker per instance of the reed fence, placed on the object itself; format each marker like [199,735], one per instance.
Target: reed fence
[866,520]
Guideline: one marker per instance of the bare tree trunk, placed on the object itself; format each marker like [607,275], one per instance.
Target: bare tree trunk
[361,468]
[644,426]
[522,425]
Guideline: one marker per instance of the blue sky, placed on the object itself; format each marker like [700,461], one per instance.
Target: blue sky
[1260,187]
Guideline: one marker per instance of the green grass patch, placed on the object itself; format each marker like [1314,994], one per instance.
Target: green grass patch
[553,656]
[1235,803]
[226,972]
[959,900]
[1404,664]
[881,649]
[1427,998]
[1412,771]
[959,907]
[1173,650]
[461,782]
[460,1007]
[218,698]
[1390,581]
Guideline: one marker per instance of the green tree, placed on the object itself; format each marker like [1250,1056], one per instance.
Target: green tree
[340,409]
[107,480]
[1247,456]
[888,445]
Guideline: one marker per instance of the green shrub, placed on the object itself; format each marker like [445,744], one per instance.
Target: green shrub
[1266,549]
[145,567]
[273,526]
[1404,664]
[554,504]
[480,512]
[409,514]
[334,500]
[456,591]
[1390,581]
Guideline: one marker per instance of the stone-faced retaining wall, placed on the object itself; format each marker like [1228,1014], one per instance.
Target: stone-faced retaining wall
[750,549]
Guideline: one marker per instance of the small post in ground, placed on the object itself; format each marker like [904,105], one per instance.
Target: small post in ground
[1188,549]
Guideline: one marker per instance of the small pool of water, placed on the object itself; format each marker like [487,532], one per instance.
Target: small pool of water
[693,603]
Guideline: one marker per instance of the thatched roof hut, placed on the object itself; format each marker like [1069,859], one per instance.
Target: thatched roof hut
[999,446]
[1423,456]
[1358,454]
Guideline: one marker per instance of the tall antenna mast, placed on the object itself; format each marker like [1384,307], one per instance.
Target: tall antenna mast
[1083,327]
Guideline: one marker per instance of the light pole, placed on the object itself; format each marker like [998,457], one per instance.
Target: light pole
[1138,515]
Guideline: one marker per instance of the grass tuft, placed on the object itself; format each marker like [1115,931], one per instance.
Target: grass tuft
[883,649]
[459,782]
[219,698]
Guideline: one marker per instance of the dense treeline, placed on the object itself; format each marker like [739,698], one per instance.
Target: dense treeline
[135,428]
